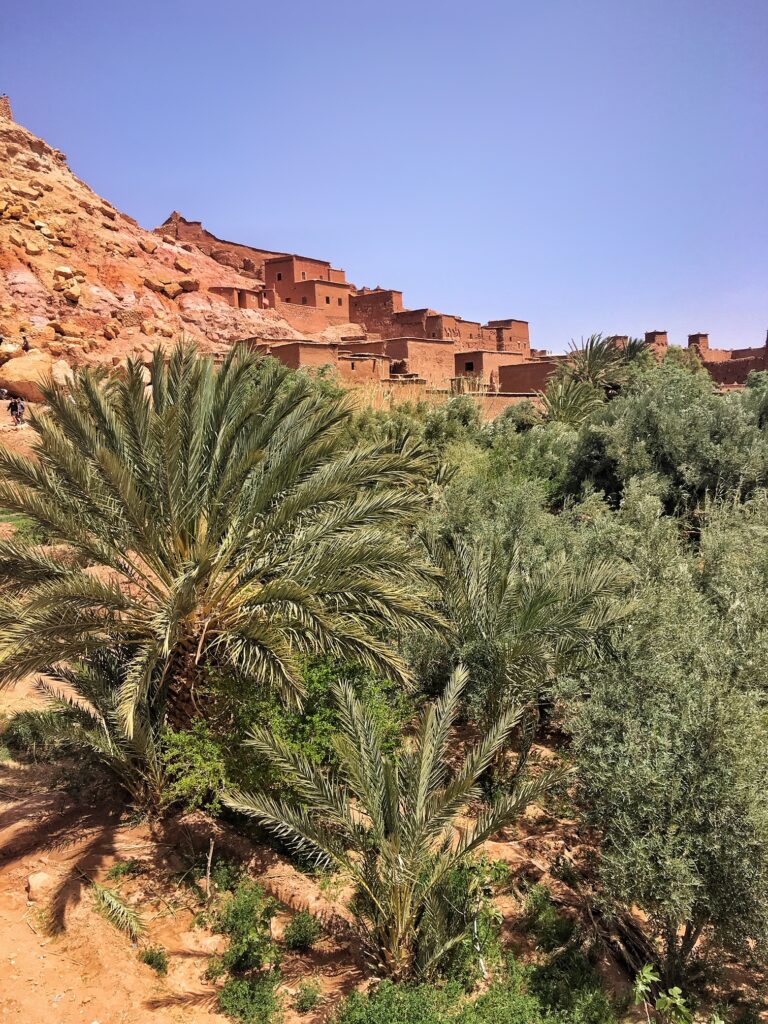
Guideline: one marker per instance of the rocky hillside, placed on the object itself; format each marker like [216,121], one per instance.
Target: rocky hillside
[87,284]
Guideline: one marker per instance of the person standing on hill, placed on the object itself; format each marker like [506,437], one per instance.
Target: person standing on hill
[13,409]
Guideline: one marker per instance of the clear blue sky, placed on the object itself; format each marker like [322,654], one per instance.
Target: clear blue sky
[587,165]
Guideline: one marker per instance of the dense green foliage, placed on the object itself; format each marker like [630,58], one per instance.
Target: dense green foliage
[598,562]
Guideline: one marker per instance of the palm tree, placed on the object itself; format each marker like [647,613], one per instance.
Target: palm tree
[598,361]
[217,518]
[395,824]
[82,713]
[515,627]
[569,401]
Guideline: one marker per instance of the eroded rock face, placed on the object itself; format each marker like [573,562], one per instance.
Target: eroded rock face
[69,258]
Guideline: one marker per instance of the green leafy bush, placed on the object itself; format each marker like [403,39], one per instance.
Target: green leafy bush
[513,998]
[244,917]
[302,931]
[155,957]
[307,997]
[194,768]
[550,928]
[252,1001]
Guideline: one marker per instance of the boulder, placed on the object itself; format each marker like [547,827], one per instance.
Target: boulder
[32,247]
[63,272]
[189,284]
[46,335]
[154,283]
[22,375]
[148,245]
[39,885]
[61,373]
[9,349]
[68,327]
[71,292]
[172,289]
[183,265]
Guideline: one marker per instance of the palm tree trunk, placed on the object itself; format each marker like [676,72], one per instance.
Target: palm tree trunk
[186,675]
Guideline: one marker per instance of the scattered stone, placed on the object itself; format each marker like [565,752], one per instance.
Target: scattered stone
[32,247]
[149,245]
[154,283]
[46,335]
[183,265]
[25,193]
[17,238]
[172,289]
[67,327]
[147,327]
[39,885]
[71,291]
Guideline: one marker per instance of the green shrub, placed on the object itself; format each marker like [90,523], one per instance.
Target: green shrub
[400,1004]
[155,957]
[550,928]
[244,918]
[225,875]
[570,986]
[125,869]
[252,1001]
[302,931]
[194,768]
[513,998]
[307,997]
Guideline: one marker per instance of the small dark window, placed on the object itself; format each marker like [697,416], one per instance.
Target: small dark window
[469,367]
[339,301]
[303,300]
[303,275]
[327,300]
[352,365]
[287,300]
[279,277]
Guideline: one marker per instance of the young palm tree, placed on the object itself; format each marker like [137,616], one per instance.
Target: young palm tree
[82,713]
[569,401]
[516,628]
[219,517]
[395,824]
